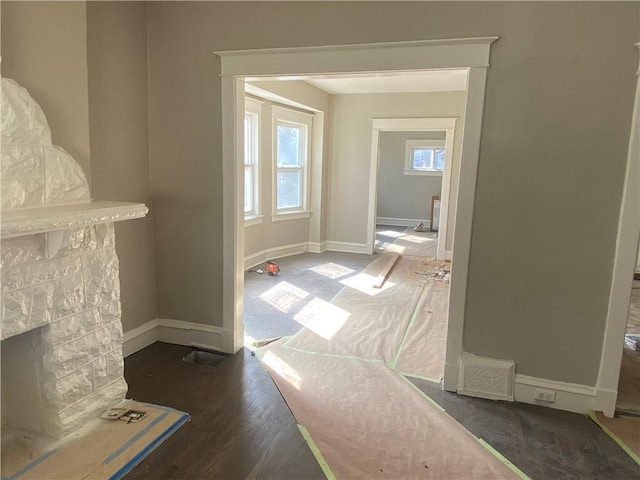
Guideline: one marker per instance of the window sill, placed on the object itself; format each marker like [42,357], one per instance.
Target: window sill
[284,216]
[428,173]
[253,220]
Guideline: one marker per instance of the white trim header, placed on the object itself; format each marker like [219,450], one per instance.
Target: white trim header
[361,58]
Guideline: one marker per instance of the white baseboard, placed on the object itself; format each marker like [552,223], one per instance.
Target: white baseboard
[448,255]
[568,396]
[177,332]
[605,401]
[401,222]
[315,247]
[261,257]
[347,247]
[255,259]
[450,378]
[140,337]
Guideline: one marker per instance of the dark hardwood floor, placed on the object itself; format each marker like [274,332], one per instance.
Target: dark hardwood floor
[240,426]
[544,443]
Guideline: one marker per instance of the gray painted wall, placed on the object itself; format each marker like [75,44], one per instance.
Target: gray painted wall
[117,63]
[86,66]
[556,129]
[44,49]
[400,195]
[350,132]
[553,149]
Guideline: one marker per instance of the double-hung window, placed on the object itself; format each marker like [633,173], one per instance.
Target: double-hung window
[291,141]
[252,158]
[424,157]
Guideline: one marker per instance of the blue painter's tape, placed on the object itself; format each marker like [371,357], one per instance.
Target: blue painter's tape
[29,466]
[135,438]
[126,468]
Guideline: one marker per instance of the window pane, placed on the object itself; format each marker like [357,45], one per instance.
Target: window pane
[289,138]
[439,159]
[247,137]
[289,189]
[248,189]
[422,158]
[250,121]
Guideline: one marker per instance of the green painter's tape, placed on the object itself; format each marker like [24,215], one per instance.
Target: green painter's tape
[423,394]
[497,454]
[413,375]
[291,337]
[416,309]
[504,460]
[333,299]
[316,453]
[615,438]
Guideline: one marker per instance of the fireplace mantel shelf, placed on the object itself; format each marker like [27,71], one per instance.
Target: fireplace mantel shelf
[28,221]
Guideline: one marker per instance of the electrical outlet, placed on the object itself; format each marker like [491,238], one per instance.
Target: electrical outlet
[544,395]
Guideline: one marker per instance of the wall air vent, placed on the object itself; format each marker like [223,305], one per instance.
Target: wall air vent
[486,377]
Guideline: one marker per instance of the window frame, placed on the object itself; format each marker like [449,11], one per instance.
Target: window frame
[253,108]
[411,146]
[296,118]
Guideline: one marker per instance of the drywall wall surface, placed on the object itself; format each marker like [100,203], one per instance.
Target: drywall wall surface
[269,234]
[401,195]
[44,48]
[351,130]
[117,65]
[557,117]
[297,91]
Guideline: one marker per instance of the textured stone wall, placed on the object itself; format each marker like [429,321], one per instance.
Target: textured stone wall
[74,297]
[35,173]
[62,335]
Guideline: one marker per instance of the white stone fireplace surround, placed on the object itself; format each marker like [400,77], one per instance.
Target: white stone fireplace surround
[61,331]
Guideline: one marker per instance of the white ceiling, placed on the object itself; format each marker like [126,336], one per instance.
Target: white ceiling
[396,82]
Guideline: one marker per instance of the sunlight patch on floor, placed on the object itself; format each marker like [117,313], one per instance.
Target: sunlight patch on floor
[390,233]
[282,369]
[332,270]
[392,247]
[284,296]
[364,283]
[417,239]
[322,318]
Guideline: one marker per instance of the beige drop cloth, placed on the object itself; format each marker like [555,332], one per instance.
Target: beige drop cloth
[369,422]
[403,324]
[109,450]
[423,244]
[422,353]
[337,376]
[624,430]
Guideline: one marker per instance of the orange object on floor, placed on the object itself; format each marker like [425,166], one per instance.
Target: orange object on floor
[272,268]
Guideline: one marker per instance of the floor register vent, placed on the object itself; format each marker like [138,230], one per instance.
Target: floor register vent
[204,357]
[486,377]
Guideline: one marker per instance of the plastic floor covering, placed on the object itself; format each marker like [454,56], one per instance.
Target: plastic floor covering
[343,376]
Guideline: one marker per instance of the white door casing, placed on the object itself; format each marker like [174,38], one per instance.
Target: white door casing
[448,125]
[470,53]
[623,268]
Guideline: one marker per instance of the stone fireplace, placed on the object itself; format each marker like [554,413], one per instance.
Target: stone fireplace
[61,328]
